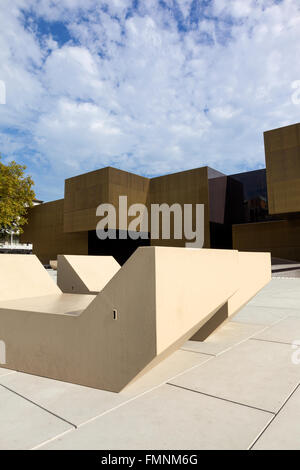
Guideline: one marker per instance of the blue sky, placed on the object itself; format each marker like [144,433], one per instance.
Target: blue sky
[149,86]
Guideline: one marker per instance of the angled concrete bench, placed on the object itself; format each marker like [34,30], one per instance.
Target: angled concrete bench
[89,275]
[158,300]
[85,274]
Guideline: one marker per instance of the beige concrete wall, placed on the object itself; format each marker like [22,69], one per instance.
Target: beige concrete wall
[83,194]
[282,149]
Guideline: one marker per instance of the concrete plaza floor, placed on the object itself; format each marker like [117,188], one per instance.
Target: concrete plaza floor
[238,390]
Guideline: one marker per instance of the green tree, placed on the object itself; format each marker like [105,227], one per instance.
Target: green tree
[16,196]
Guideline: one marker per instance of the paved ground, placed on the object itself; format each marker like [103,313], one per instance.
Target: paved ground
[285,268]
[238,390]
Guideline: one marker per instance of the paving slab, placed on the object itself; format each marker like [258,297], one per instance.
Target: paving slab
[169,418]
[78,404]
[262,315]
[284,432]
[24,425]
[281,285]
[279,293]
[230,334]
[255,373]
[71,402]
[277,301]
[285,331]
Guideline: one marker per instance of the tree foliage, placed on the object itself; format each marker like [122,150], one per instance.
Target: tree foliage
[16,196]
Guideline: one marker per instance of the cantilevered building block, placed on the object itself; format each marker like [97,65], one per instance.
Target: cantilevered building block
[159,299]
[85,274]
[254,273]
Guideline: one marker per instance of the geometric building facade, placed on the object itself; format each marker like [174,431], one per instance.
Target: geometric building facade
[68,226]
[252,211]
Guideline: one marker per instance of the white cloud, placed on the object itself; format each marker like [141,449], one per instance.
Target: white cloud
[135,91]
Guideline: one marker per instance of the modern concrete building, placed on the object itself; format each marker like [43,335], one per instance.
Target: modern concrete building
[68,226]
[252,211]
